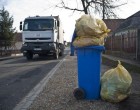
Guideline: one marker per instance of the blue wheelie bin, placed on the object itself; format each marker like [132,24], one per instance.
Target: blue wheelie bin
[89,64]
[72,48]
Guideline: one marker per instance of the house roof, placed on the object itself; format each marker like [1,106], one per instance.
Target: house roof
[113,24]
[131,22]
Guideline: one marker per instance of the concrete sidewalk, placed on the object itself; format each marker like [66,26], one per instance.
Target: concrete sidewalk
[11,57]
[57,93]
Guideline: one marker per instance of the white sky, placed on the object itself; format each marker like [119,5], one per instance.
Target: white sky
[21,9]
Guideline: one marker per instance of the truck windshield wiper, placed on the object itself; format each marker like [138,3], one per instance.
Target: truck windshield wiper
[39,29]
[31,30]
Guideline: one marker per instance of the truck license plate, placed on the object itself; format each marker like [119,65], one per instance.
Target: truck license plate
[37,49]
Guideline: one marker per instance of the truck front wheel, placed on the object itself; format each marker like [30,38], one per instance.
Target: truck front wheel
[61,53]
[29,56]
[56,54]
[61,50]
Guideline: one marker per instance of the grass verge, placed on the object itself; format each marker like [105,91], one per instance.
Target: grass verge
[112,63]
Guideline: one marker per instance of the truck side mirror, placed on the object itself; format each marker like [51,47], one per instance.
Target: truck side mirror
[58,23]
[20,26]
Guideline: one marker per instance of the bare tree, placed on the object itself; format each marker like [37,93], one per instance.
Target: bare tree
[105,8]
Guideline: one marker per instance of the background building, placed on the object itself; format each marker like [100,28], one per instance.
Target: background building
[125,40]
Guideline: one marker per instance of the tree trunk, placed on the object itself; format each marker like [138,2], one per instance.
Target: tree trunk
[84,7]
[103,12]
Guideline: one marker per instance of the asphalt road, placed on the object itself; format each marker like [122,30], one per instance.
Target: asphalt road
[18,76]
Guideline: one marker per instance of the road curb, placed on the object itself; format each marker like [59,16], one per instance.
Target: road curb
[28,100]
[130,62]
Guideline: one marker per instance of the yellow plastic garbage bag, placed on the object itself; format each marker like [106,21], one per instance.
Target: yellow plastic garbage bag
[90,31]
[88,41]
[87,25]
[116,84]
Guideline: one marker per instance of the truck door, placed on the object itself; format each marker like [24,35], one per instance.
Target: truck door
[55,31]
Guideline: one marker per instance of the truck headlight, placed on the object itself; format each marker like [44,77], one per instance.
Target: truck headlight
[24,44]
[51,44]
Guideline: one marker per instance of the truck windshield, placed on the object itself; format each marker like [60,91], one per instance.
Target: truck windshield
[38,24]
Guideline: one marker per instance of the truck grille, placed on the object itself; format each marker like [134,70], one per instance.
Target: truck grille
[37,38]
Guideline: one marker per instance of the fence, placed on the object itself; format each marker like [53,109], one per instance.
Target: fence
[8,47]
[124,46]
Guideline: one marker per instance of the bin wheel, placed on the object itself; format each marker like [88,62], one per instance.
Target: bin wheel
[29,56]
[79,93]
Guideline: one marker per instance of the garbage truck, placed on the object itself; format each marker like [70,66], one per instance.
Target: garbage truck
[42,35]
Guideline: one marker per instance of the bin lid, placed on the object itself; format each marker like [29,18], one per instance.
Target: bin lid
[92,47]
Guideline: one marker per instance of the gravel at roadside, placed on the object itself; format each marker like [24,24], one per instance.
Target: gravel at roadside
[58,93]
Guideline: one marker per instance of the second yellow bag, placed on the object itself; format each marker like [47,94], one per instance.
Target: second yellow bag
[116,84]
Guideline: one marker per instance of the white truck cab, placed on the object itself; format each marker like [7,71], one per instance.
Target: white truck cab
[42,35]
